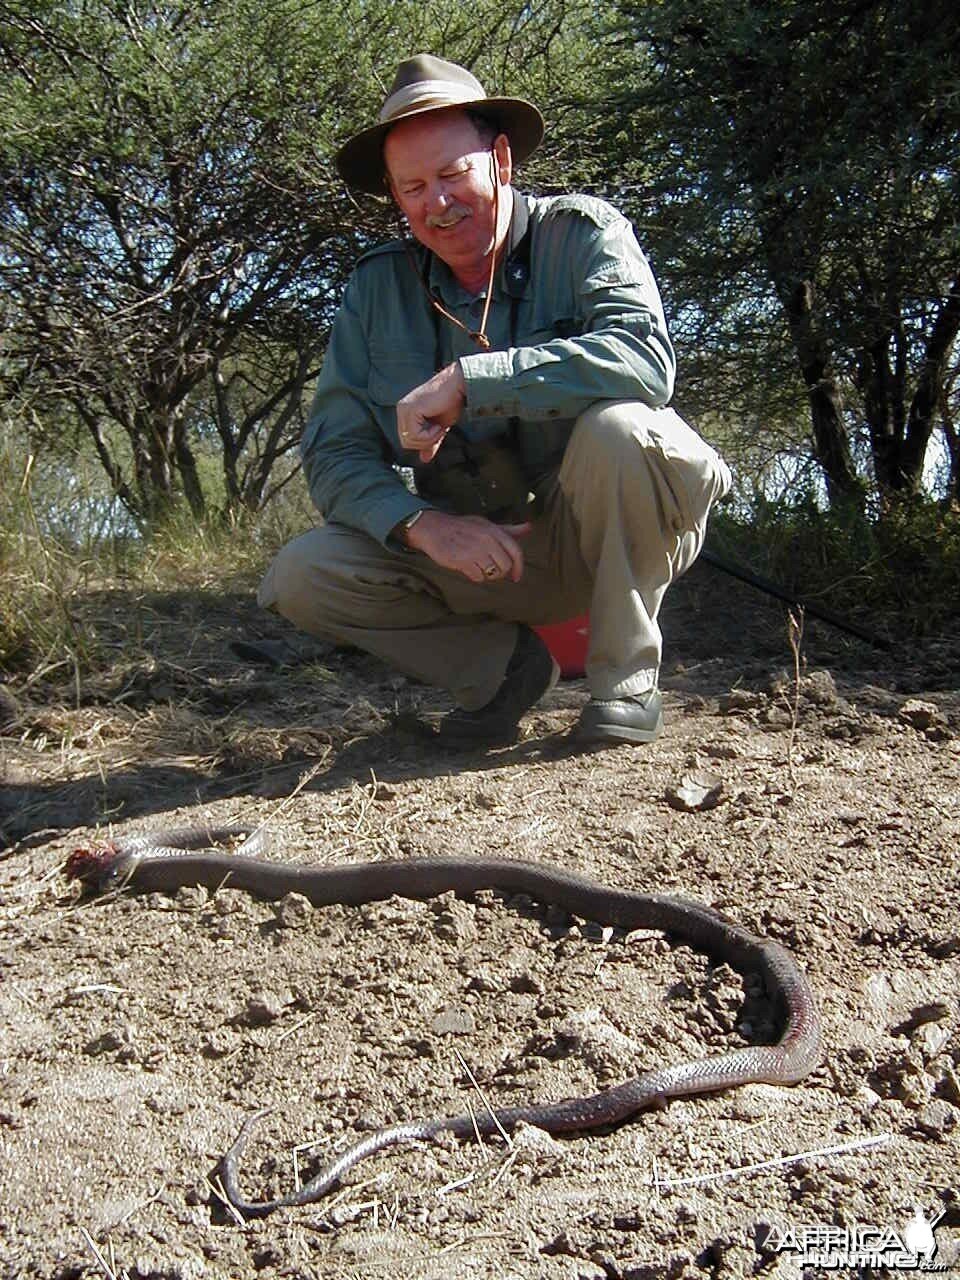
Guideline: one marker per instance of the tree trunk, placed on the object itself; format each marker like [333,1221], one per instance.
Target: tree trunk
[899,437]
[826,403]
[928,395]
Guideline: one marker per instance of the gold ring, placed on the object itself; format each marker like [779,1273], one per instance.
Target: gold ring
[490,571]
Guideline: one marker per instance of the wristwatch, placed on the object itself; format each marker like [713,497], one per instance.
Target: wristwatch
[410,521]
[406,525]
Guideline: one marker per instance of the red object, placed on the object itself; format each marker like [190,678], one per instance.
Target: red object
[568,641]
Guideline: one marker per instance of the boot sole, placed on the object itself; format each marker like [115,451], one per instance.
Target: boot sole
[601,732]
[496,735]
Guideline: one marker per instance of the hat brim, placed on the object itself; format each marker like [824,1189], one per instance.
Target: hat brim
[360,160]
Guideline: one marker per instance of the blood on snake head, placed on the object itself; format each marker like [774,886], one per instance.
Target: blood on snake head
[100,866]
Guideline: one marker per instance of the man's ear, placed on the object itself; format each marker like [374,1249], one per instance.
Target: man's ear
[504,158]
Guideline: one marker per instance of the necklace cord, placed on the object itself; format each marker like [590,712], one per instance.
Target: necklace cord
[479,336]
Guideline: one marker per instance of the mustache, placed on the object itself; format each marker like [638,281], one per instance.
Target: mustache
[453,214]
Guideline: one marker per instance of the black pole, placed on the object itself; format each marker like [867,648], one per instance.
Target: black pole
[781,593]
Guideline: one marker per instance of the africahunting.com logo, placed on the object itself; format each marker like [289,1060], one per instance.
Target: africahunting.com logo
[912,1247]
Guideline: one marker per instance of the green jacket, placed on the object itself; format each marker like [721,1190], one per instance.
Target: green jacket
[576,317]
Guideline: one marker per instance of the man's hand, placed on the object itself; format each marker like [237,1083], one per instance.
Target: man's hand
[426,414]
[479,549]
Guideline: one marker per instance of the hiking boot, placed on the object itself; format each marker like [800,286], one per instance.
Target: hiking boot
[531,672]
[636,717]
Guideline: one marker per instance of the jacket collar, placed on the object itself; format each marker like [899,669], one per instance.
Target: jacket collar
[513,274]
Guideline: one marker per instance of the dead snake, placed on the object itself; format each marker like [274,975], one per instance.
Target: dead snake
[166,860]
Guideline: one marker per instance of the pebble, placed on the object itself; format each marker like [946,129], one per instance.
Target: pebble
[293,911]
[264,1007]
[453,1022]
[930,1039]
[821,688]
[936,1119]
[191,897]
[454,921]
[920,714]
[739,700]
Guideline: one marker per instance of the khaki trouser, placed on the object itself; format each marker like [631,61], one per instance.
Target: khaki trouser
[623,517]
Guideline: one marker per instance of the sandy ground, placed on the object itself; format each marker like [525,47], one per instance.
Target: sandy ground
[139,1030]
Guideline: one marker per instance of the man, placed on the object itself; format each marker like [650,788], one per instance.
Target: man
[516,357]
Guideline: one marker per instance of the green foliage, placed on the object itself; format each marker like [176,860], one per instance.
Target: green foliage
[903,569]
[792,165]
[176,237]
[40,567]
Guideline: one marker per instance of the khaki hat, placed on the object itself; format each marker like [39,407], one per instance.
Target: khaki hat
[425,83]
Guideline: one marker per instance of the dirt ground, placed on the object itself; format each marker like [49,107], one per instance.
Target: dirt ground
[138,1031]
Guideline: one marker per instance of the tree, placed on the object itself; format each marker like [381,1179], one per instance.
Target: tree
[163,196]
[175,235]
[797,160]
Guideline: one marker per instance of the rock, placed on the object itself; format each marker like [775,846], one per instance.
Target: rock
[739,700]
[454,920]
[931,1039]
[293,911]
[936,1119]
[921,715]
[453,1022]
[820,688]
[264,1007]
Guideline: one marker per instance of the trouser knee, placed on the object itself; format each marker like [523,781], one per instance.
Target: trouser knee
[286,579]
[627,446]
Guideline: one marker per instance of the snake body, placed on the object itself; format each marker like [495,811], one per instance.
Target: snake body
[168,860]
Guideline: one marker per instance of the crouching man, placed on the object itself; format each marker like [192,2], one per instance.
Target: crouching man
[515,355]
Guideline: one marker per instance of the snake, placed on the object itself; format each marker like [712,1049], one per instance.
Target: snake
[167,860]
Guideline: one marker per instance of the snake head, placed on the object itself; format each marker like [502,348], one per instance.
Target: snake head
[101,867]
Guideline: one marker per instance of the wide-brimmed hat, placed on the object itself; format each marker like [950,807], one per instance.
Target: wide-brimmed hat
[425,83]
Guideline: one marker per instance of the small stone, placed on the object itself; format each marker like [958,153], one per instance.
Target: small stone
[191,897]
[739,700]
[936,1119]
[921,715]
[821,688]
[264,1007]
[453,1022]
[294,911]
[930,1039]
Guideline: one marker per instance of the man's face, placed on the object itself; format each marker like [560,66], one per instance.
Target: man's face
[441,174]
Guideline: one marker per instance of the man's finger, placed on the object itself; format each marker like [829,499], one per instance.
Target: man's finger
[510,545]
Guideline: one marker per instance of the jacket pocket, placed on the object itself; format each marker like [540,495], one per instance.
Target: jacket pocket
[392,376]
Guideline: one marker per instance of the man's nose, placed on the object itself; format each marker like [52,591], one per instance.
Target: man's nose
[438,198]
